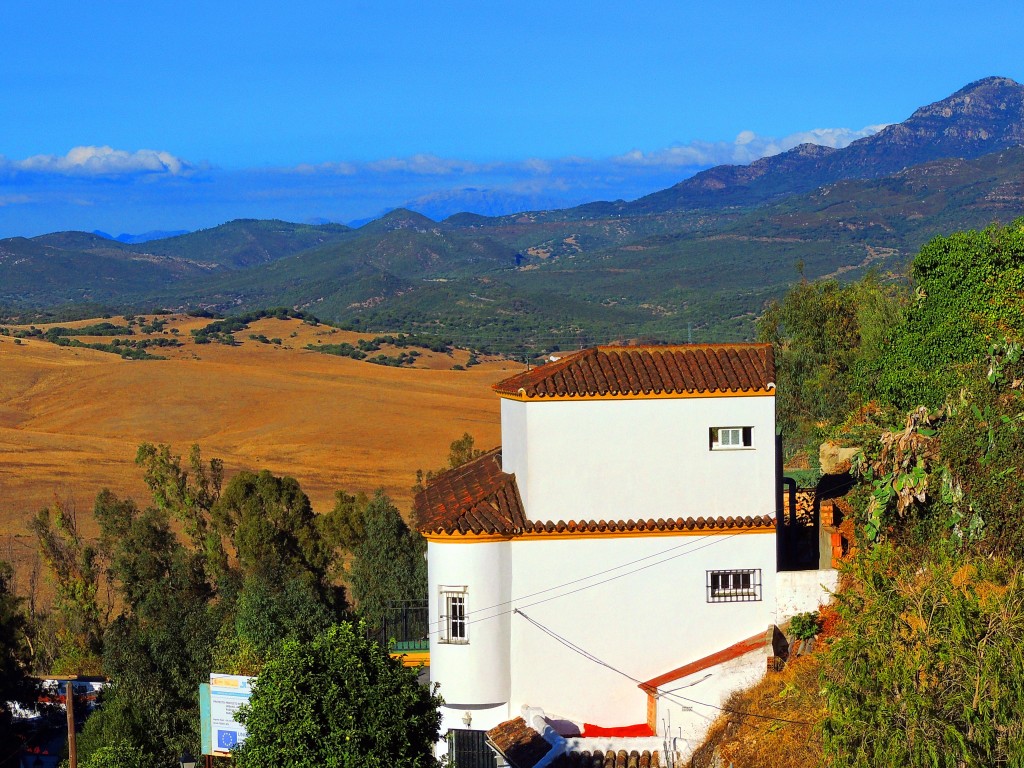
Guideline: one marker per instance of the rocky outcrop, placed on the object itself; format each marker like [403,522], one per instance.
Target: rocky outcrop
[835,459]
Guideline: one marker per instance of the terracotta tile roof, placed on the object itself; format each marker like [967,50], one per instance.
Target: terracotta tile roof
[520,744]
[478,498]
[609,759]
[649,370]
[651,525]
[474,498]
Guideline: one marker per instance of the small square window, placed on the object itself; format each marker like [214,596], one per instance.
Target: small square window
[454,628]
[728,438]
[737,586]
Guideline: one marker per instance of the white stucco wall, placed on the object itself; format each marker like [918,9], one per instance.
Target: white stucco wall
[475,674]
[651,620]
[514,459]
[482,718]
[803,591]
[648,458]
[684,722]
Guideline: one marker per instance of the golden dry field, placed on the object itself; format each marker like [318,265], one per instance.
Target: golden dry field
[71,419]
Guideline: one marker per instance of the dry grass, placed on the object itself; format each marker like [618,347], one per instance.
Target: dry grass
[775,723]
[746,741]
[72,419]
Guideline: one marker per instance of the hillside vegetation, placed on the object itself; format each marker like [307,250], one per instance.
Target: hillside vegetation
[923,664]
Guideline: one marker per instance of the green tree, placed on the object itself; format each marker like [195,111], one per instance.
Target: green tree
[338,701]
[118,755]
[158,650]
[821,333]
[71,636]
[967,297]
[15,684]
[186,494]
[252,570]
[266,613]
[272,529]
[461,451]
[343,527]
[388,565]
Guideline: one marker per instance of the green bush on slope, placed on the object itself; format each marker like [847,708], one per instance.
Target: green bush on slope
[929,670]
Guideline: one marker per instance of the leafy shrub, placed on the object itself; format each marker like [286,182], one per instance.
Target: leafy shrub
[928,669]
[341,350]
[805,626]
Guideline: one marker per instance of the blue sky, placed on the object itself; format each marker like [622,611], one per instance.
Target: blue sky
[127,117]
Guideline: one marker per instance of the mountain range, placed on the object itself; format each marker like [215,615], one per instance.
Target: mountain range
[695,261]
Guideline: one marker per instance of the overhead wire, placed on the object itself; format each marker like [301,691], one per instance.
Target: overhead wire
[670,694]
[717,540]
[594,575]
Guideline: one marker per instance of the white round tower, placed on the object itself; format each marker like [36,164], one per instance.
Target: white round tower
[470,589]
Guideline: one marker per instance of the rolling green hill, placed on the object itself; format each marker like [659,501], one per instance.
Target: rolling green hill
[245,242]
[697,261]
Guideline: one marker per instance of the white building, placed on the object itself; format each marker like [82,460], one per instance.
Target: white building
[612,567]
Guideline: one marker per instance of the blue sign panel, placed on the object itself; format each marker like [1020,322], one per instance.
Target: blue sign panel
[226,739]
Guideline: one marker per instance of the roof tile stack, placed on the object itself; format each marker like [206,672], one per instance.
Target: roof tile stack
[521,745]
[610,759]
[524,747]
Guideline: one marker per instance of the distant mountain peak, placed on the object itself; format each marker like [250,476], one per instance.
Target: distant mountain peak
[988,83]
[983,98]
[982,117]
[400,218]
[807,149]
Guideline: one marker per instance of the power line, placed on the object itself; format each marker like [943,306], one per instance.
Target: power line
[592,576]
[666,694]
[717,540]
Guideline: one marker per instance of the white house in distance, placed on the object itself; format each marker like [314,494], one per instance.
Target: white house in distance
[610,573]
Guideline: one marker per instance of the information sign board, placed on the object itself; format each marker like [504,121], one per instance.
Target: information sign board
[227,694]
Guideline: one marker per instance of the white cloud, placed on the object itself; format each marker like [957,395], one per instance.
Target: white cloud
[104,161]
[746,148]
[338,169]
[830,137]
[424,165]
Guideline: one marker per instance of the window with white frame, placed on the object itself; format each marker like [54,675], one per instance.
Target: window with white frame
[728,438]
[453,615]
[735,586]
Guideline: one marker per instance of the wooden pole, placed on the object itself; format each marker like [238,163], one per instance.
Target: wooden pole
[69,701]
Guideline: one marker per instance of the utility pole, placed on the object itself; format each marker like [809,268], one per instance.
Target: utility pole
[69,699]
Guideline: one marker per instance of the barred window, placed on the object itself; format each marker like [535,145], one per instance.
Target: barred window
[453,615]
[742,585]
